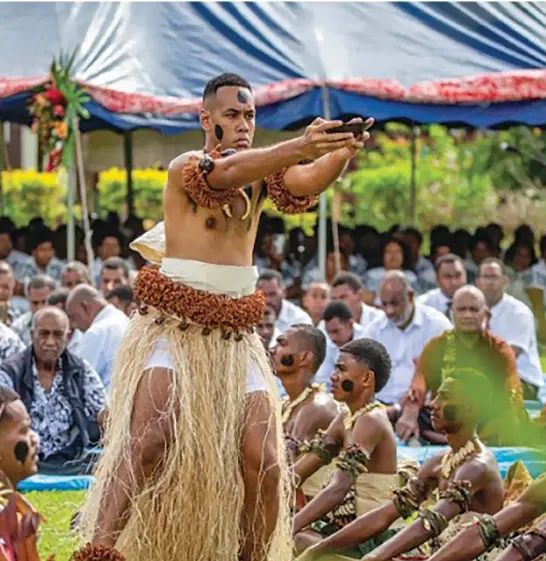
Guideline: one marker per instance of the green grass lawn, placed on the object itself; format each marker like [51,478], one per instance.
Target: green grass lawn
[57,507]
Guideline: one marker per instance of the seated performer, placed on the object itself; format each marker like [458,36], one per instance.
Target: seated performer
[307,408]
[469,345]
[18,460]
[193,426]
[487,531]
[467,477]
[366,436]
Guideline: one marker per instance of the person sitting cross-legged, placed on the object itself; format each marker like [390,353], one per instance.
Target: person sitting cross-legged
[467,477]
[362,438]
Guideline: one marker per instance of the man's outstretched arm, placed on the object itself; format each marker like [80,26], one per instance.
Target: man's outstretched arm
[470,543]
[255,164]
[316,177]
[262,477]
[470,479]
[150,434]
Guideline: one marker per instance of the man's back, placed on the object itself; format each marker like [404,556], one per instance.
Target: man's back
[99,343]
[514,322]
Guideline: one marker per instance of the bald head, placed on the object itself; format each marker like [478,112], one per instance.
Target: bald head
[84,303]
[472,291]
[469,309]
[396,297]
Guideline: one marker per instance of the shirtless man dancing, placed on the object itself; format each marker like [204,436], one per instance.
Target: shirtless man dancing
[194,461]
[467,477]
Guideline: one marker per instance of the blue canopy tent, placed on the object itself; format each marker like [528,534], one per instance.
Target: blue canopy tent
[145,64]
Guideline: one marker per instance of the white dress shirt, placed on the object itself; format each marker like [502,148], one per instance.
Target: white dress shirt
[369,314]
[405,347]
[332,353]
[291,314]
[436,299]
[514,322]
[100,342]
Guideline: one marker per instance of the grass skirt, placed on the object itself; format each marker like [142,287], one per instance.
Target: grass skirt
[190,510]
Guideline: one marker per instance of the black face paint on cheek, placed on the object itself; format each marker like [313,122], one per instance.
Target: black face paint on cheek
[287,360]
[347,386]
[21,451]
[242,97]
[451,412]
[218,131]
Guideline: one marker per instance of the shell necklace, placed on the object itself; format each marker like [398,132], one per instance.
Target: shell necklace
[452,460]
[289,406]
[350,420]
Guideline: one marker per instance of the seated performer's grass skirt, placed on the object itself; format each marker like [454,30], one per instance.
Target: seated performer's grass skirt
[191,508]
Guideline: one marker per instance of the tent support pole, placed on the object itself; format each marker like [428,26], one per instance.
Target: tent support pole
[128,155]
[323,202]
[3,165]
[70,179]
[413,177]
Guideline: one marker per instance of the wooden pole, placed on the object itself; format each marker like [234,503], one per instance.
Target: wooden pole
[413,177]
[128,154]
[83,197]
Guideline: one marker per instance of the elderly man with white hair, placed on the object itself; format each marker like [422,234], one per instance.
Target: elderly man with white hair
[103,327]
[63,394]
[404,330]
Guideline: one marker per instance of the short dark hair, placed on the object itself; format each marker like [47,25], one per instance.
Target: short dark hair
[543,245]
[40,281]
[270,310]
[114,263]
[450,258]
[123,292]
[374,355]
[314,339]
[350,279]
[59,296]
[271,274]
[493,261]
[7,396]
[37,236]
[414,233]
[223,80]
[337,309]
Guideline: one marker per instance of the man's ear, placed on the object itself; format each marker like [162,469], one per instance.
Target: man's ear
[205,120]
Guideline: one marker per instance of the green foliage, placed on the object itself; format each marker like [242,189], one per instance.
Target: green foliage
[459,179]
[28,193]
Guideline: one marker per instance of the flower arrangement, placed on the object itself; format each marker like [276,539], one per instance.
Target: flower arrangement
[53,106]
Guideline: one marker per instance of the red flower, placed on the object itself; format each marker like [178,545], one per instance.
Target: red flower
[54,160]
[58,110]
[56,97]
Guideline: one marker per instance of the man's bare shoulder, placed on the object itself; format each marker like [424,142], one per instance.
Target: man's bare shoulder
[325,403]
[176,165]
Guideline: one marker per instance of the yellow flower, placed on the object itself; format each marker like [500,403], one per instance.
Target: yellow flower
[61,130]
[40,100]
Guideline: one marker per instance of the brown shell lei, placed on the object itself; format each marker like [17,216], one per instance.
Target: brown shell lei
[195,184]
[283,200]
[97,553]
[205,309]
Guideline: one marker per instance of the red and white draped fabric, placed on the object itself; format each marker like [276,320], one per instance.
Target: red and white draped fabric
[487,88]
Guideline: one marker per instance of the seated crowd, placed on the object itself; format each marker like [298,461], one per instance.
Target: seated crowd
[395,348]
